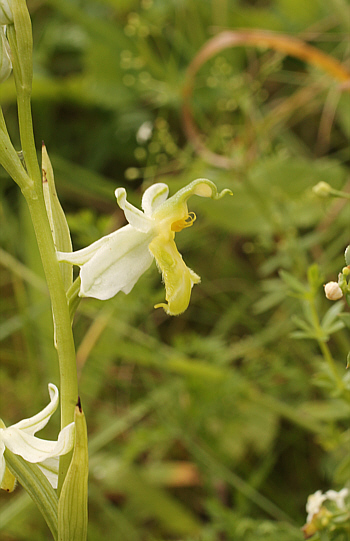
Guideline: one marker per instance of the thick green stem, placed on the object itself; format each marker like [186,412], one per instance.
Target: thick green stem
[23,81]
[27,137]
[20,39]
[63,330]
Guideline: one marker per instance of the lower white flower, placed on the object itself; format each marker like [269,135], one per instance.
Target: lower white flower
[20,440]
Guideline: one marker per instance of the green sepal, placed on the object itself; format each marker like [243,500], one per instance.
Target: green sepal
[72,505]
[57,218]
[38,487]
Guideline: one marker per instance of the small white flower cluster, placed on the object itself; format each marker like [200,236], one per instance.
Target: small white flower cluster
[315,501]
[336,290]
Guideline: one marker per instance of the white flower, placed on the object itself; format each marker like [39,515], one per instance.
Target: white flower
[338,497]
[115,262]
[6,16]
[314,504]
[20,440]
[333,291]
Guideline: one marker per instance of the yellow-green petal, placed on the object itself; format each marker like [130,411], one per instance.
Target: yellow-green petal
[9,481]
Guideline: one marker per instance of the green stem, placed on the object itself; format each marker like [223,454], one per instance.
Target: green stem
[63,330]
[324,348]
[20,39]
[339,193]
[23,91]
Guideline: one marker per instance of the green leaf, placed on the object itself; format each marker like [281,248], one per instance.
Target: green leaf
[72,505]
[57,218]
[314,277]
[331,318]
[294,284]
[38,487]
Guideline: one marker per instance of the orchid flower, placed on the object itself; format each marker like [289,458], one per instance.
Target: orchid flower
[115,262]
[20,440]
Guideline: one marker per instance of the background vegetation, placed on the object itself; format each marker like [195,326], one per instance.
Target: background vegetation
[215,425]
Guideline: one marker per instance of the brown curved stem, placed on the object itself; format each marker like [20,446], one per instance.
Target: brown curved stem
[256,38]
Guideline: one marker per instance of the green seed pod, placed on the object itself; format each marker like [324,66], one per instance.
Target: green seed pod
[72,505]
[57,218]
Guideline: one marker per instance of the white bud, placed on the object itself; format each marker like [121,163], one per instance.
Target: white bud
[322,189]
[144,133]
[6,16]
[333,291]
[5,59]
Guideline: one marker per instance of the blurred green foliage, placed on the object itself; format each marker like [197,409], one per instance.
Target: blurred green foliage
[215,425]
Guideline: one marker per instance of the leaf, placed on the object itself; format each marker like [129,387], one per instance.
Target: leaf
[295,285]
[57,218]
[331,318]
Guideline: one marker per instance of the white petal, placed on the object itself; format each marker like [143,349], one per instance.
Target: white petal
[38,421]
[34,449]
[135,217]
[82,256]
[118,264]
[49,467]
[154,196]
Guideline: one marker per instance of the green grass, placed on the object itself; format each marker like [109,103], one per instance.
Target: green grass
[217,424]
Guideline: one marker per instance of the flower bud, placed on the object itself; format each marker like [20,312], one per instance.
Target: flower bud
[333,291]
[6,16]
[322,189]
[5,59]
